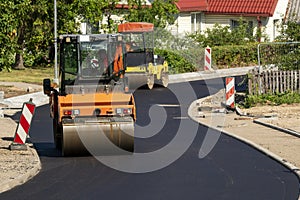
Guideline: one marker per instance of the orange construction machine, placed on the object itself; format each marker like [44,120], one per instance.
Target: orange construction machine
[142,66]
[91,109]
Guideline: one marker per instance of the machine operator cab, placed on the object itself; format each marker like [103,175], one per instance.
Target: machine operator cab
[91,60]
[142,66]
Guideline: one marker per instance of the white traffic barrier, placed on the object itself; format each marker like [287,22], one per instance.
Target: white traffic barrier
[207,59]
[230,92]
[23,127]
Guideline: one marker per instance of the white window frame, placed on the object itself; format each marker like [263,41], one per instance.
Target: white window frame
[195,22]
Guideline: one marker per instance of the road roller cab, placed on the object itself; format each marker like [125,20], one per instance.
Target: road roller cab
[91,109]
[142,66]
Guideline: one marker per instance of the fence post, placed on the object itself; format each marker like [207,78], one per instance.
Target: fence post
[250,83]
[299,81]
[274,81]
[295,81]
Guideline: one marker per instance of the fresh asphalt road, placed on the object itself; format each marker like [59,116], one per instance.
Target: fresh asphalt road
[232,170]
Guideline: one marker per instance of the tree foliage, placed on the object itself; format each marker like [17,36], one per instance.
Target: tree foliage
[8,32]
[160,13]
[26,26]
[290,31]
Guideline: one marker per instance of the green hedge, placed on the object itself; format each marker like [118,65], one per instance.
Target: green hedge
[222,57]
[234,55]
[177,63]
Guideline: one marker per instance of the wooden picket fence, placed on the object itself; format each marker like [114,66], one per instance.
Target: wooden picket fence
[273,82]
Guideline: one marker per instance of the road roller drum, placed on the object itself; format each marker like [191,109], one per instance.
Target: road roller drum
[108,136]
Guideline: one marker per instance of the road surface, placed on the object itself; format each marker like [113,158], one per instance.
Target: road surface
[232,170]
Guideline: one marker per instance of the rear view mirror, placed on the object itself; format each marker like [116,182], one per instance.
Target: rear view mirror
[47,86]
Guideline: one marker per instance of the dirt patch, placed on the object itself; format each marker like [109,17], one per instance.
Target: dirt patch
[15,166]
[12,89]
[285,116]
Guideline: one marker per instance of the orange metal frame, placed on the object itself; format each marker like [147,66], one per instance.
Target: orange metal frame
[135,27]
[87,103]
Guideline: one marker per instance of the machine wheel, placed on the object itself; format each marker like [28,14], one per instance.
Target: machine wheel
[150,81]
[165,79]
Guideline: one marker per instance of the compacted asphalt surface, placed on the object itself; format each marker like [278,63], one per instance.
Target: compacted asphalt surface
[231,170]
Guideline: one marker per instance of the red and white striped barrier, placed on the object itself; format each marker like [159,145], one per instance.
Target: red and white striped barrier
[230,92]
[23,127]
[207,60]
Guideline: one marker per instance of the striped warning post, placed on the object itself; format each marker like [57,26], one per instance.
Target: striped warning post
[207,60]
[230,92]
[23,126]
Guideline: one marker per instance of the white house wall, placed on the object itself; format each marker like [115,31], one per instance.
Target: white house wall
[226,20]
[271,23]
[182,24]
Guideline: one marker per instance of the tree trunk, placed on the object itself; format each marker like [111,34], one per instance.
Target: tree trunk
[19,62]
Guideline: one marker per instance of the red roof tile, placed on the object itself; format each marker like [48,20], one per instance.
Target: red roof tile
[191,5]
[243,7]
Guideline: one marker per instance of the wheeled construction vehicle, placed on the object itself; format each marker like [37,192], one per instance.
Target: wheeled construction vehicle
[142,66]
[92,110]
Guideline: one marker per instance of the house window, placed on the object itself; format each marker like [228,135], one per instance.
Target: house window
[195,22]
[235,24]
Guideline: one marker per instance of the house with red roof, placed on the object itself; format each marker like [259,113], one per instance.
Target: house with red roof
[199,15]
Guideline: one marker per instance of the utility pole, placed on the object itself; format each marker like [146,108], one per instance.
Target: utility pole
[55,46]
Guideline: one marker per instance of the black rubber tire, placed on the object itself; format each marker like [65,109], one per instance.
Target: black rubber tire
[57,134]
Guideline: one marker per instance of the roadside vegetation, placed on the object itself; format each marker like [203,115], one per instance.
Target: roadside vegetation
[274,100]
[28,75]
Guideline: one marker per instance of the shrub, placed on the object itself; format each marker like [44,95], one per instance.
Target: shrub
[235,55]
[176,62]
[276,99]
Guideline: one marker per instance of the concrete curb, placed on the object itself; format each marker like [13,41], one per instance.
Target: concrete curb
[288,131]
[270,154]
[39,99]
[5,186]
